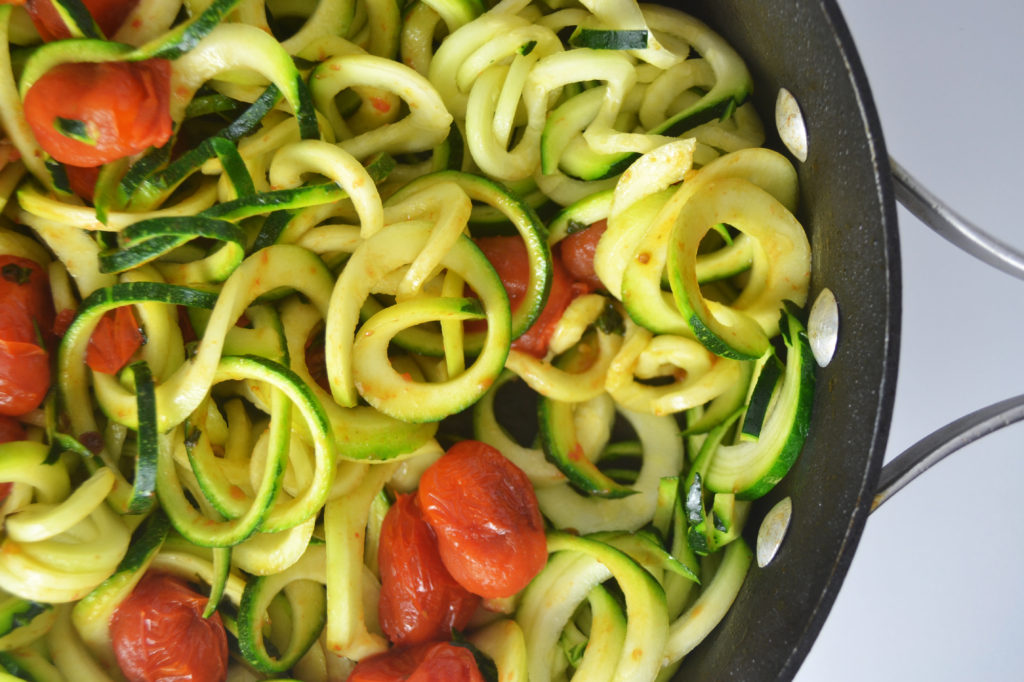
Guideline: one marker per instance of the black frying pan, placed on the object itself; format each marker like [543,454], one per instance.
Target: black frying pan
[848,206]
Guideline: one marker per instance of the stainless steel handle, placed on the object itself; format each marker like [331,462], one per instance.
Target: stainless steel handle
[950,225]
[946,440]
[934,447]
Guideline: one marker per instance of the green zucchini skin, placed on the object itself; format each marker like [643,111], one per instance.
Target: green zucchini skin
[607,39]
[91,615]
[307,600]
[143,493]
[91,48]
[187,36]
[549,599]
[23,620]
[15,612]
[526,222]
[558,438]
[750,468]
[146,240]
[764,388]
[152,177]
[77,18]
[733,86]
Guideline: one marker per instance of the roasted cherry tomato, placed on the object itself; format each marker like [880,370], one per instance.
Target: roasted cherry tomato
[62,321]
[108,15]
[159,633]
[419,600]
[25,303]
[82,180]
[10,431]
[427,662]
[509,257]
[485,514]
[511,261]
[577,251]
[114,341]
[87,114]
[26,317]
[24,377]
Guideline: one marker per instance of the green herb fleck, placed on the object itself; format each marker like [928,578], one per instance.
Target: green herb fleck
[610,320]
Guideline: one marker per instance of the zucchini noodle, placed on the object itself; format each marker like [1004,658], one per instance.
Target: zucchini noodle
[332,167]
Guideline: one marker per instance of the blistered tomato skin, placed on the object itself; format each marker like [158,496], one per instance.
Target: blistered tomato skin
[485,514]
[26,316]
[24,377]
[87,114]
[114,341]
[159,633]
[427,662]
[419,600]
[24,299]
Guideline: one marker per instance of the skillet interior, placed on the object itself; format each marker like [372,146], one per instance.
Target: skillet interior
[847,205]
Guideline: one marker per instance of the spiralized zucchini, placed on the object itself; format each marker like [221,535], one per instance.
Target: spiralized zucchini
[333,163]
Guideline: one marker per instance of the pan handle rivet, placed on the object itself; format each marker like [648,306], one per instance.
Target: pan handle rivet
[773,530]
[790,123]
[823,327]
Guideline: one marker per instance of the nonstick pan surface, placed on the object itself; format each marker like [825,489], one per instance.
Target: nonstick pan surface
[847,205]
[905,610]
[806,48]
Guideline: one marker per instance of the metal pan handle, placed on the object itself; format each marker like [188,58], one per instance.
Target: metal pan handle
[953,227]
[934,447]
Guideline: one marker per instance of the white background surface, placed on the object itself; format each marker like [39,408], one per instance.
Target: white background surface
[935,591]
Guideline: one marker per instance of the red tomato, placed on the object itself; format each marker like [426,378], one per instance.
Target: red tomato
[123,106]
[62,321]
[82,180]
[159,633]
[485,514]
[577,252]
[427,662]
[419,600]
[26,312]
[510,260]
[509,257]
[24,377]
[24,300]
[114,341]
[108,15]
[10,431]
[535,339]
